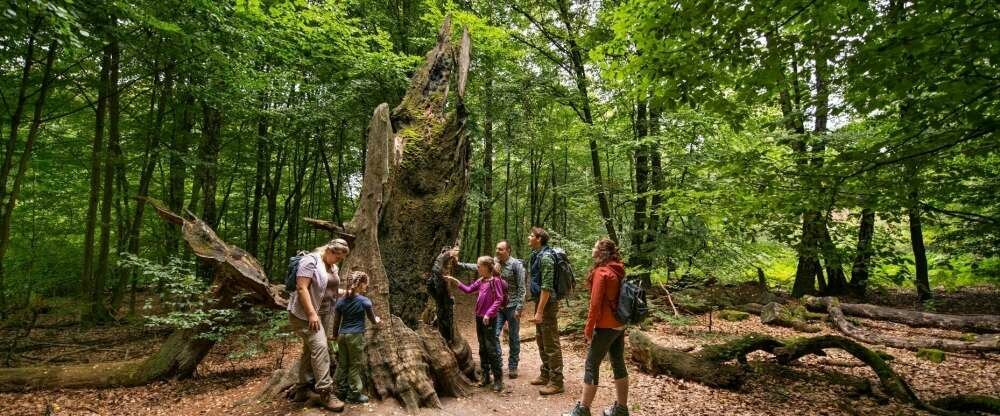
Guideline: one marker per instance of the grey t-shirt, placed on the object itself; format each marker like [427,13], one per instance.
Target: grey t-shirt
[312,266]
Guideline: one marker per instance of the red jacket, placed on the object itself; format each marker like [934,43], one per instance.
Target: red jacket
[605,283]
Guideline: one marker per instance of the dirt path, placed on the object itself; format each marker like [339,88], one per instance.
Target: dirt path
[228,387]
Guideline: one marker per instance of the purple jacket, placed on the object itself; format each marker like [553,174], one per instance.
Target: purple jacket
[491,295]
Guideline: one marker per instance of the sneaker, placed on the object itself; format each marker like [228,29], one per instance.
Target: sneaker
[551,389]
[540,381]
[485,382]
[578,410]
[512,373]
[616,410]
[498,386]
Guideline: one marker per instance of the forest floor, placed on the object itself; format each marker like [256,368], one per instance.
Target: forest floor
[229,386]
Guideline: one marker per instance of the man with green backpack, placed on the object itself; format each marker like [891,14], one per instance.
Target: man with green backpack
[545,268]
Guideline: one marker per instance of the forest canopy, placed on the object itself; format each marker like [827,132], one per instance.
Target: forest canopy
[830,147]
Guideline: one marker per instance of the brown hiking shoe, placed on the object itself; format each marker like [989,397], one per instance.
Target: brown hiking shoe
[333,404]
[540,381]
[327,400]
[551,389]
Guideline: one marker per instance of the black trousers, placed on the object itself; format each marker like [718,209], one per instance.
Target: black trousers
[489,343]
[606,341]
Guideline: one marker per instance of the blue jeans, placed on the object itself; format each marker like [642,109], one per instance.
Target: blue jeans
[509,315]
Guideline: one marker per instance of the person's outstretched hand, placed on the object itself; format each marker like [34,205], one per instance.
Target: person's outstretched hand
[378,320]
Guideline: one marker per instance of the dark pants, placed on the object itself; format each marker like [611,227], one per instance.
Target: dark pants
[489,343]
[606,341]
[549,349]
[513,335]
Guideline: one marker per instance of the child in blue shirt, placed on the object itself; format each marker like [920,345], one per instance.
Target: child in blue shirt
[349,331]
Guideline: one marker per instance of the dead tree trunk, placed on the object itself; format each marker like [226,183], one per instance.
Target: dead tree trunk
[234,271]
[415,180]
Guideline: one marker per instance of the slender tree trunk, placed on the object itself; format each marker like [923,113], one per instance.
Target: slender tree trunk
[914,214]
[576,58]
[862,258]
[208,172]
[506,184]
[177,174]
[338,210]
[488,175]
[261,172]
[96,159]
[637,255]
[98,311]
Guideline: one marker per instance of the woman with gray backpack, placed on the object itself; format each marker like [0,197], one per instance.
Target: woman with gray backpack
[605,329]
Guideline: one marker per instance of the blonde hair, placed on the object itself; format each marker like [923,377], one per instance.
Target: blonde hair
[489,262]
[337,245]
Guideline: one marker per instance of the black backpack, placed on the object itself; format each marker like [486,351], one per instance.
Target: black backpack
[632,307]
[565,279]
[293,270]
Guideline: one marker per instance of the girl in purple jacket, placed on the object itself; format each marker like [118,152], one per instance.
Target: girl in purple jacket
[491,299]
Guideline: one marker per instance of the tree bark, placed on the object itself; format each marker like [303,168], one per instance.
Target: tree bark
[96,159]
[913,212]
[429,186]
[261,173]
[98,312]
[638,257]
[863,255]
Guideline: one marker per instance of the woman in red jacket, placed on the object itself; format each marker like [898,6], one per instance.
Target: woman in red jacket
[604,333]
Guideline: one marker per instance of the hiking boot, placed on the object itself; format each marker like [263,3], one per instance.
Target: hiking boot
[498,385]
[578,410]
[357,398]
[512,373]
[551,389]
[485,382]
[327,400]
[616,410]
[540,381]
[332,403]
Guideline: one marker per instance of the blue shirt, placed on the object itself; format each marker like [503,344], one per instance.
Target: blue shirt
[352,311]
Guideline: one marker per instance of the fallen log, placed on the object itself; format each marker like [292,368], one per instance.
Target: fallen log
[709,366]
[967,323]
[234,273]
[981,344]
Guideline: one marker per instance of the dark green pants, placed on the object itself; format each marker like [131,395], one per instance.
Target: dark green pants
[350,363]
[547,338]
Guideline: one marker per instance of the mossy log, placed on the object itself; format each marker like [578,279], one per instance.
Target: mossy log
[706,366]
[981,344]
[917,319]
[709,366]
[777,314]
